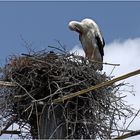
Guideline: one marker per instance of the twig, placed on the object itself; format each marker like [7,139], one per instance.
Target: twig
[56,130]
[10,123]
[128,135]
[132,120]
[105,63]
[31,111]
[111,64]
[107,83]
[62,46]
[10,132]
[27,45]
[24,90]
[37,120]
[27,55]
[112,71]
[57,49]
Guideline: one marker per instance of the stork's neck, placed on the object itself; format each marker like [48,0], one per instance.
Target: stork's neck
[80,32]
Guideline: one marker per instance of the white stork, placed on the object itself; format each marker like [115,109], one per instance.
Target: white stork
[91,39]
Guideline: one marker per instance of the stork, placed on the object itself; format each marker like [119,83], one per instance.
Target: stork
[91,39]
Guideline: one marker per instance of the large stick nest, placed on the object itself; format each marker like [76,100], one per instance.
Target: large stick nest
[43,77]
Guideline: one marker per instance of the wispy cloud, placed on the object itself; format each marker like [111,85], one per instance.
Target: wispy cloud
[126,53]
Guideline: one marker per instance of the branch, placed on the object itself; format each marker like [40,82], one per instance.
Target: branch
[128,135]
[9,84]
[10,132]
[132,120]
[105,63]
[57,49]
[103,84]
[9,124]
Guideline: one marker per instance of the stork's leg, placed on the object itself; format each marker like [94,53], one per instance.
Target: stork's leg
[86,54]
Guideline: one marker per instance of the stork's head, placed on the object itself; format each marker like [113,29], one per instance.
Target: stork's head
[76,26]
[84,26]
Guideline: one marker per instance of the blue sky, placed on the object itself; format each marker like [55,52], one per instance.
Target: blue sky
[40,23]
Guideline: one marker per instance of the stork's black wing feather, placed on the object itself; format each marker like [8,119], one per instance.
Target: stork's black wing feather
[100,45]
[79,37]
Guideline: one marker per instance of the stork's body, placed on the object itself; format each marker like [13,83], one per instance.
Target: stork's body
[91,39]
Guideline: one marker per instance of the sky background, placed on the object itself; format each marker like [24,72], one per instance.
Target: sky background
[41,23]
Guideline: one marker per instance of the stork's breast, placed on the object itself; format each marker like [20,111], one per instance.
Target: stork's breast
[87,43]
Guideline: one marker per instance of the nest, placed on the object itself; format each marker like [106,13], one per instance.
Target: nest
[45,76]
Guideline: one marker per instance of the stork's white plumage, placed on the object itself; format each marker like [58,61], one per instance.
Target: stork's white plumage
[91,39]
